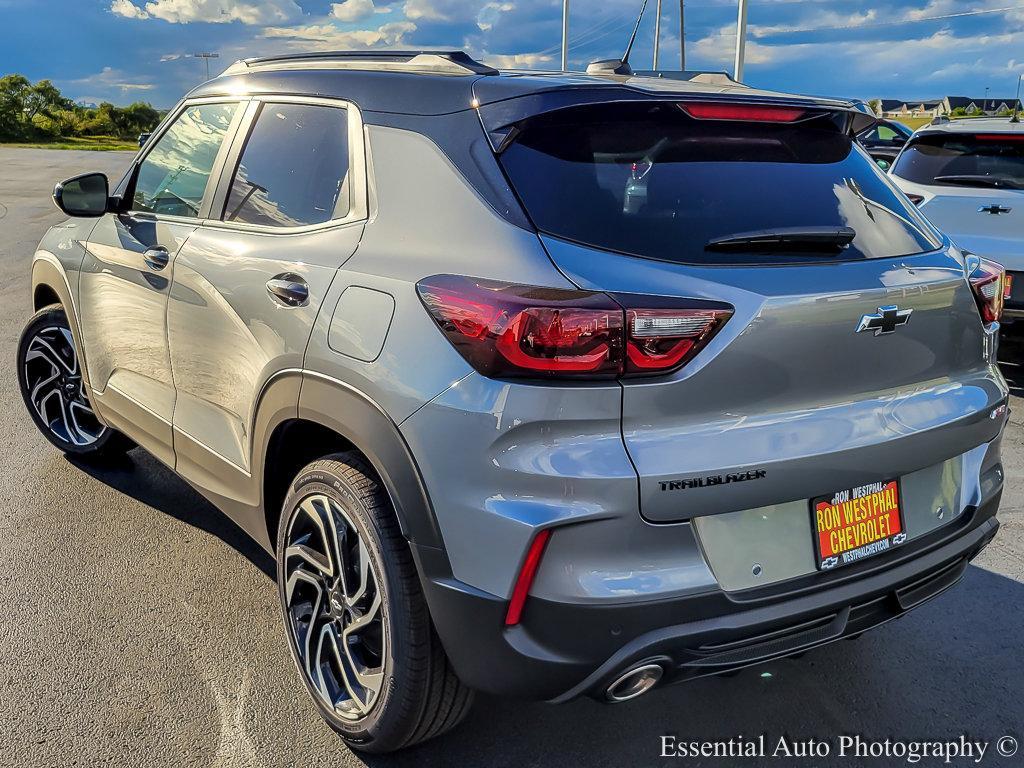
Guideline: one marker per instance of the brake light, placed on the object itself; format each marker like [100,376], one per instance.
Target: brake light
[1007,285]
[999,136]
[505,330]
[987,283]
[762,113]
[525,579]
[513,330]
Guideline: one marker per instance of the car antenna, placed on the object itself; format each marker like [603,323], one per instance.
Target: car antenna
[618,66]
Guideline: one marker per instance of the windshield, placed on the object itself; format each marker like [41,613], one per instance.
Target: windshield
[964,159]
[649,180]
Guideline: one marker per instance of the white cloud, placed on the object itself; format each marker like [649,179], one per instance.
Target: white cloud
[329,37]
[516,60]
[438,10]
[490,14]
[127,9]
[109,80]
[211,11]
[352,10]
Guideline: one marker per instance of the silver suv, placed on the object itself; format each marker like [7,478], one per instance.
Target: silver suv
[544,385]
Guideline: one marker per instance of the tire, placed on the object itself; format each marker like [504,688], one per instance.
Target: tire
[54,391]
[401,688]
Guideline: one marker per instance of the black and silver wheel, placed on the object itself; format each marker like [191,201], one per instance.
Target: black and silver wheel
[54,389]
[356,620]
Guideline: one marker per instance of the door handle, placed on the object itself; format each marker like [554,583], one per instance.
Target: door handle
[288,289]
[157,257]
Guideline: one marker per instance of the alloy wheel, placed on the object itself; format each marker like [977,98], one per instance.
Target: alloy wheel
[334,607]
[56,390]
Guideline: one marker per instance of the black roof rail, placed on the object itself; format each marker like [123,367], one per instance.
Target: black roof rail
[444,62]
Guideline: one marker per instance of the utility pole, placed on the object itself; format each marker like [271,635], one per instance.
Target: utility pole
[565,35]
[206,57]
[682,40]
[741,40]
[984,106]
[657,33]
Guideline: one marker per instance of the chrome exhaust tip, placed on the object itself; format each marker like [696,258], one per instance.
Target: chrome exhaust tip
[634,682]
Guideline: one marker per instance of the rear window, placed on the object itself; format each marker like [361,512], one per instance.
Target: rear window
[964,159]
[651,181]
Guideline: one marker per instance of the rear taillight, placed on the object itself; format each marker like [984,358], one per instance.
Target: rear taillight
[664,339]
[760,113]
[986,278]
[507,330]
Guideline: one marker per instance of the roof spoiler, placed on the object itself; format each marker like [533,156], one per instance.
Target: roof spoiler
[501,119]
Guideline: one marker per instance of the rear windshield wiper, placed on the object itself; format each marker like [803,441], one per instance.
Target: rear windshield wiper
[978,180]
[807,239]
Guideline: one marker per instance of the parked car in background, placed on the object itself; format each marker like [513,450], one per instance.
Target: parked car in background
[967,177]
[884,140]
[545,385]
[143,138]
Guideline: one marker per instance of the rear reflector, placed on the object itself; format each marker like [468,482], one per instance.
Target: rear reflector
[762,113]
[526,575]
[987,283]
[505,330]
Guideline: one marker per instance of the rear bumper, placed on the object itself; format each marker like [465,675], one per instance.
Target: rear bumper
[561,651]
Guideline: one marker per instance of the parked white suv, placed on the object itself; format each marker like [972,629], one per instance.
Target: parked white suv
[967,176]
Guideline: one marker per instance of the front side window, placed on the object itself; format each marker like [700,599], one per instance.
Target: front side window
[294,169]
[964,159]
[172,177]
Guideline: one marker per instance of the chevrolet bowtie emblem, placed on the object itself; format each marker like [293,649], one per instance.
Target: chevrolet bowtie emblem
[995,209]
[887,320]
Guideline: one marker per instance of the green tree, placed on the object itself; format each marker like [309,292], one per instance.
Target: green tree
[14,91]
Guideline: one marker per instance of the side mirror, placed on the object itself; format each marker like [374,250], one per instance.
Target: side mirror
[85,195]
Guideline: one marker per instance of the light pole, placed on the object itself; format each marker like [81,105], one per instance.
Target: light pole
[206,57]
[682,41]
[984,106]
[565,35]
[657,33]
[1015,117]
[741,40]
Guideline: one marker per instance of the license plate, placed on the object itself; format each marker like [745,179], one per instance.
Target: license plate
[856,523]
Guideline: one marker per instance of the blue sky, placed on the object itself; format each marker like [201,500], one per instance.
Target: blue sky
[127,50]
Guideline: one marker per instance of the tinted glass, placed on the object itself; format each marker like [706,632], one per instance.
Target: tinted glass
[294,168]
[964,159]
[173,176]
[652,181]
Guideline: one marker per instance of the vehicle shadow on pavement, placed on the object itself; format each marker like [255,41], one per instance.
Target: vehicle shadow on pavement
[949,668]
[142,477]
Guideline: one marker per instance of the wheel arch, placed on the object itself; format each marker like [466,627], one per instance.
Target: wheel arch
[331,417]
[50,286]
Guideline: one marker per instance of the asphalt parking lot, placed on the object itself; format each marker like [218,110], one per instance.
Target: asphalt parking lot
[139,626]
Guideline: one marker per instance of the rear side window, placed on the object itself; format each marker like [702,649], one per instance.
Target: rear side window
[964,159]
[294,168]
[649,180]
[172,177]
